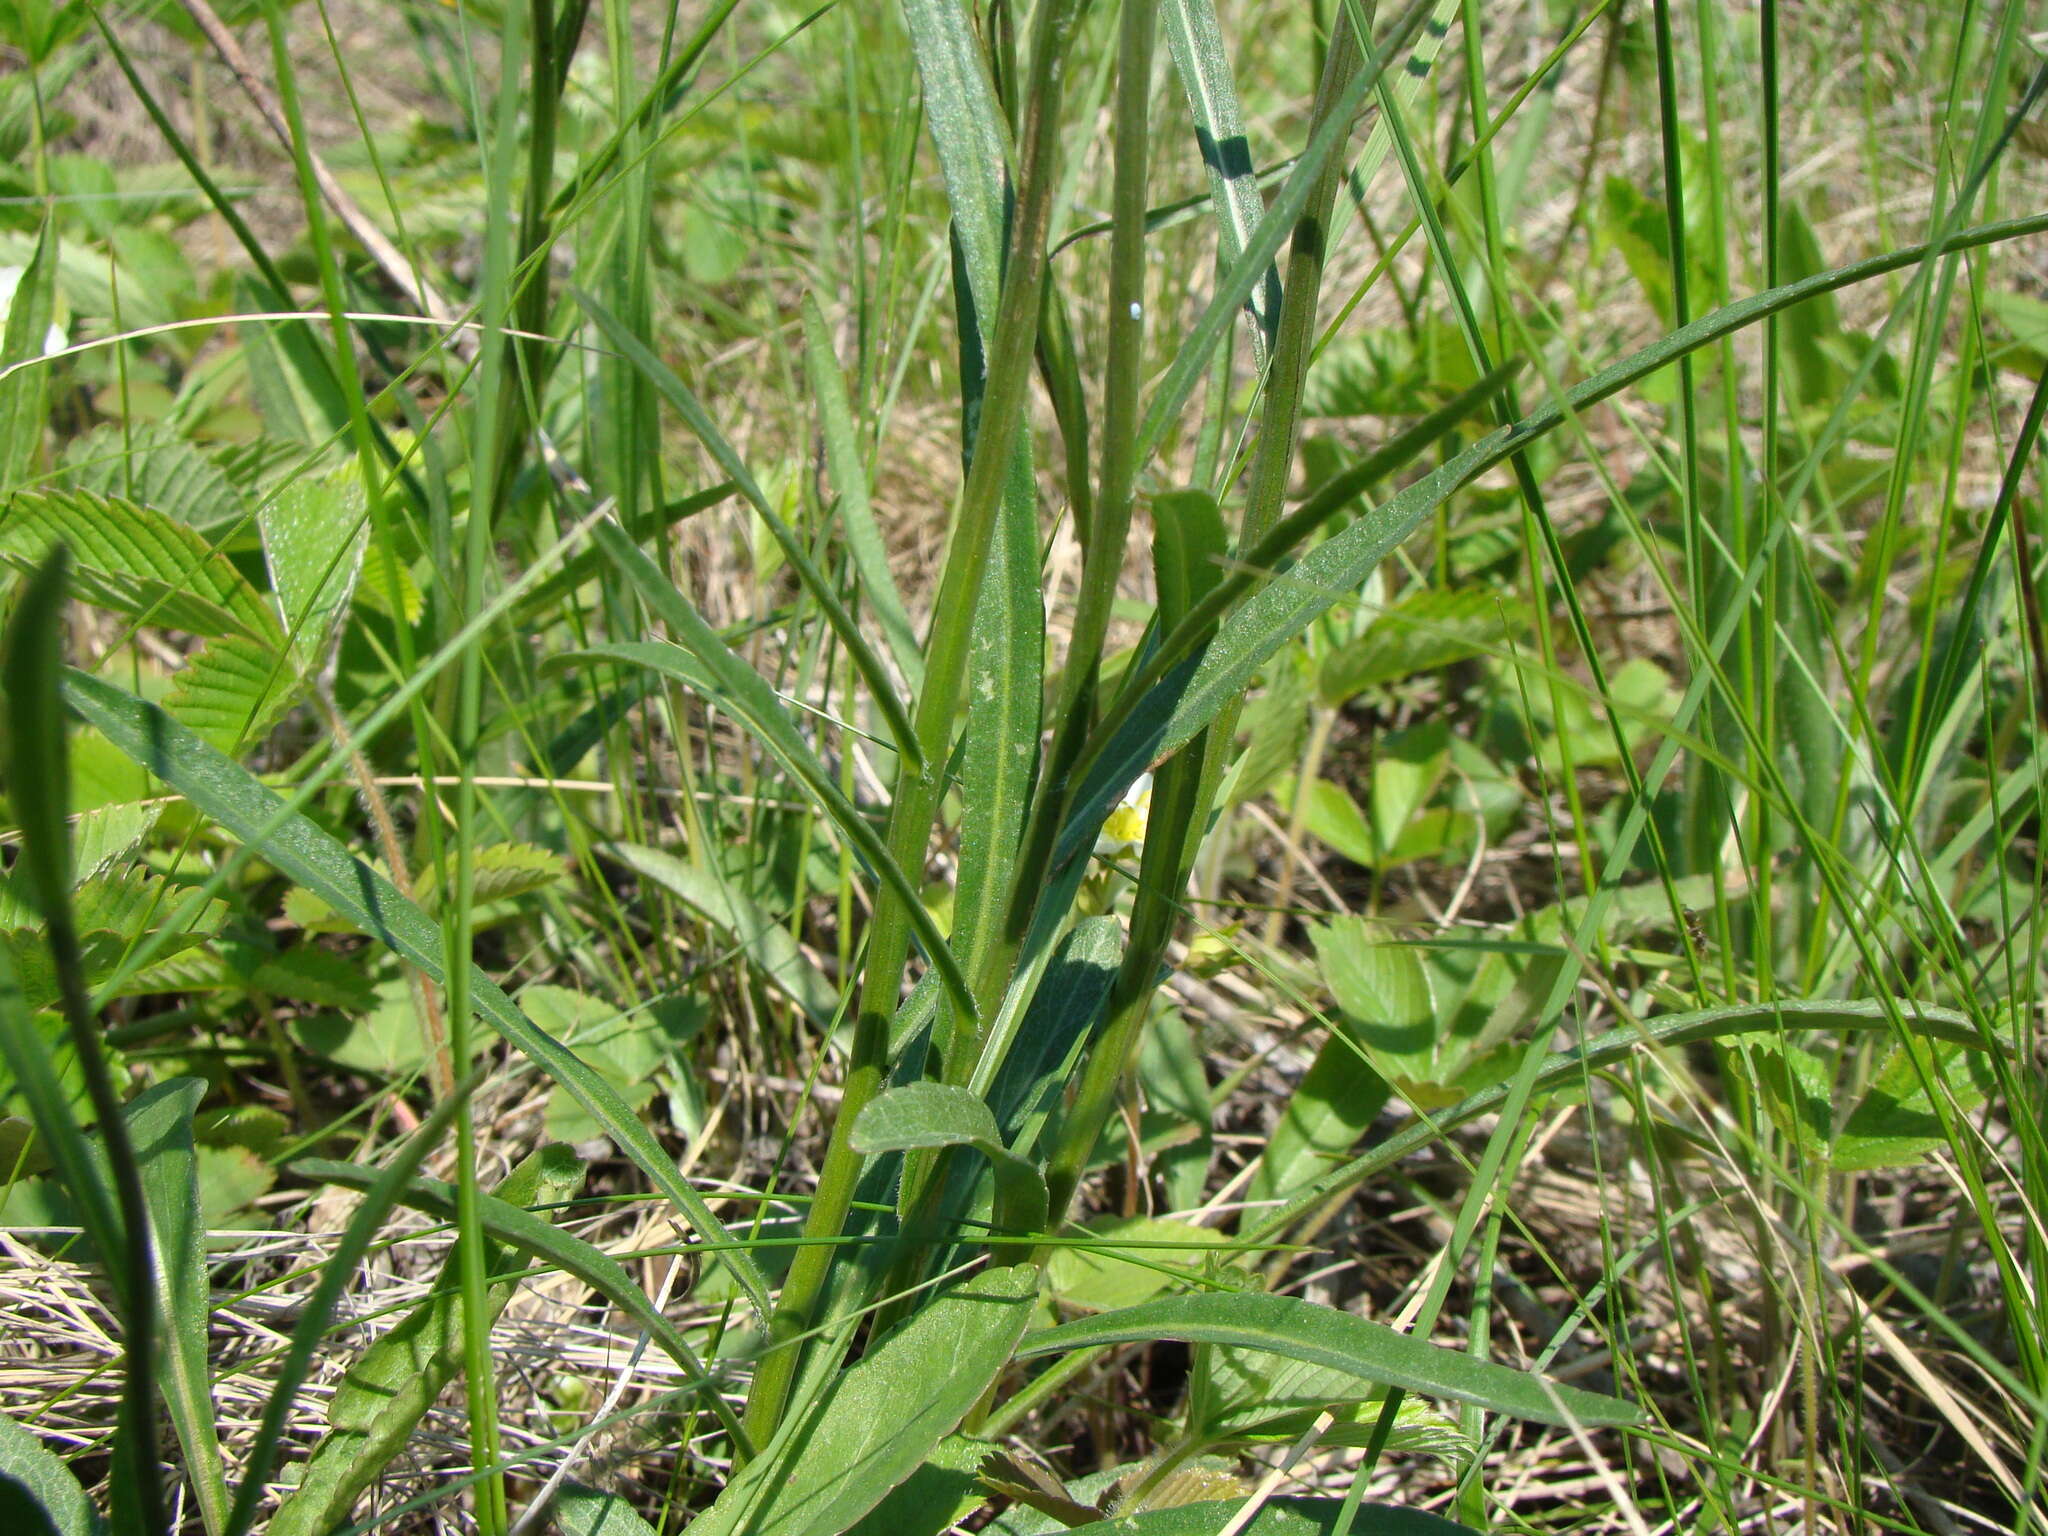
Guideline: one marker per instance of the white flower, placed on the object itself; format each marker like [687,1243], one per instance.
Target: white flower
[1124,828]
[54,339]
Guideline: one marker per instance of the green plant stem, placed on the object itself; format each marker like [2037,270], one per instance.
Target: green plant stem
[919,786]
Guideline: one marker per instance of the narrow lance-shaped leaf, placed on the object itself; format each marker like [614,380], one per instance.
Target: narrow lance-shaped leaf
[1203,64]
[1301,1330]
[24,377]
[160,1126]
[850,479]
[820,591]
[876,1422]
[740,689]
[222,789]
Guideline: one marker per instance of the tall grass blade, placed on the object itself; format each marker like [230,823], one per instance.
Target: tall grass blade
[1301,1330]
[686,405]
[160,1125]
[850,478]
[38,783]
[1199,57]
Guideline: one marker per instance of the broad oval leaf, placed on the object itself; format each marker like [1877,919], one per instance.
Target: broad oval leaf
[1300,1330]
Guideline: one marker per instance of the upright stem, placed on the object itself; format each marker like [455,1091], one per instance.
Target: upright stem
[919,787]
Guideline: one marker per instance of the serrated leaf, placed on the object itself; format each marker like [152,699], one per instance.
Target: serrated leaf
[233,691]
[136,562]
[500,871]
[155,467]
[1301,1330]
[876,1422]
[1425,631]
[309,974]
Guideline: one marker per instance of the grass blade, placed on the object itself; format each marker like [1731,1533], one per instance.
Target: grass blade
[38,785]
[335,1275]
[1301,1330]
[160,1125]
[1196,42]
[227,792]
[850,475]
[1606,1050]
[686,405]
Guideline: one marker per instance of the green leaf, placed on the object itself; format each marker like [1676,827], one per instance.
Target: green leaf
[741,691]
[160,1127]
[136,562]
[1126,1260]
[1407,768]
[582,1511]
[877,1422]
[941,1492]
[233,691]
[378,1405]
[300,850]
[1336,1101]
[850,476]
[1181,704]
[1199,58]
[1895,1122]
[387,1040]
[152,465]
[24,377]
[1300,1330]
[1276,1517]
[1425,631]
[336,1274]
[314,535]
[822,592]
[932,1115]
[1064,1007]
[39,1495]
[766,943]
[1568,1068]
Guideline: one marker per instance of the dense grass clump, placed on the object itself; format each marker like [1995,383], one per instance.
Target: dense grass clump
[1171,767]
